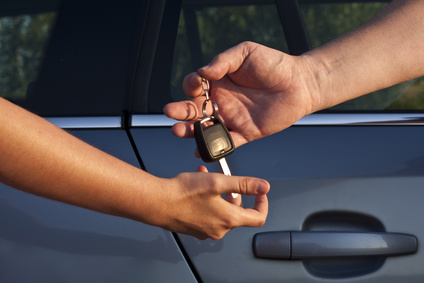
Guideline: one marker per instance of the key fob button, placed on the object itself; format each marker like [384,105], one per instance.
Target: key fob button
[214,141]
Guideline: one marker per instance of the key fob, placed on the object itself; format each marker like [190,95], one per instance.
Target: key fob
[213,141]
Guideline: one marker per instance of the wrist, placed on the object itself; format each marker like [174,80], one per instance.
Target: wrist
[146,199]
[319,83]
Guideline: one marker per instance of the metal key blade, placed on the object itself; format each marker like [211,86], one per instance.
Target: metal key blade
[226,170]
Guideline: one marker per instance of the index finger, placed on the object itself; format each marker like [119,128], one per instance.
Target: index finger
[182,110]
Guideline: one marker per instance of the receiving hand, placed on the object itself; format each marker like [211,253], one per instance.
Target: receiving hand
[195,206]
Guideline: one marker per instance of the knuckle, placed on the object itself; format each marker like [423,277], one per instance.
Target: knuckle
[216,237]
[230,223]
[261,222]
[192,111]
[219,233]
[243,185]
[216,185]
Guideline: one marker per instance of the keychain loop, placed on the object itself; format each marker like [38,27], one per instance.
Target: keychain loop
[214,105]
[205,88]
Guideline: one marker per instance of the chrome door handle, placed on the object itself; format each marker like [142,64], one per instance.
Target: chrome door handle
[298,245]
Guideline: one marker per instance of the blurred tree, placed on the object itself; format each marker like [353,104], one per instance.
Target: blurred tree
[326,21]
[22,42]
[412,97]
[208,29]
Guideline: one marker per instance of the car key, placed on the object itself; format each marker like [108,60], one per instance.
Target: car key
[214,142]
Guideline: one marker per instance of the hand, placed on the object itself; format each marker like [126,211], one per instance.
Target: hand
[194,205]
[259,91]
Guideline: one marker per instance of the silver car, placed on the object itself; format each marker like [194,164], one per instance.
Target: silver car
[346,184]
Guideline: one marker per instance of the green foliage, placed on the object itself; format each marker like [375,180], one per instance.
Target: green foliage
[325,22]
[225,26]
[22,41]
[219,28]
[412,97]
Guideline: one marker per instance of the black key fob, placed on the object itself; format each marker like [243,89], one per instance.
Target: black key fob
[213,141]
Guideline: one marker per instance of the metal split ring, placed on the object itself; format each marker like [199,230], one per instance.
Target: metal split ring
[206,86]
[215,108]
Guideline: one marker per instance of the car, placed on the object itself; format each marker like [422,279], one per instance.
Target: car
[346,183]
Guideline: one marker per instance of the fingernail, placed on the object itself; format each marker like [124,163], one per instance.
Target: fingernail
[205,67]
[262,187]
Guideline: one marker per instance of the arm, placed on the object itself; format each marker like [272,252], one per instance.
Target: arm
[386,51]
[265,91]
[40,158]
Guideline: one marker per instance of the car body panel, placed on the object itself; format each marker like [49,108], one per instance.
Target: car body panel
[364,170]
[46,241]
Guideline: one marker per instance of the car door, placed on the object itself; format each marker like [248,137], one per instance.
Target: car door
[346,184]
[72,62]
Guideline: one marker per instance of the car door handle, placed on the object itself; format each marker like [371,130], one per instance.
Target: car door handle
[298,245]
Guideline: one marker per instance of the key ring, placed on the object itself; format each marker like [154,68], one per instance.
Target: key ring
[205,86]
[215,108]
[205,89]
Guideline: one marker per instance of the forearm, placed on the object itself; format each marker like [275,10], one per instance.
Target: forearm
[386,51]
[40,158]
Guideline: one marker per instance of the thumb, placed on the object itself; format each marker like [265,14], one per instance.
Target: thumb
[226,62]
[245,185]
[192,85]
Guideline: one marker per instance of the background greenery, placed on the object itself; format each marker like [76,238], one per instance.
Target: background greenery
[221,27]
[206,29]
[22,42]
[327,21]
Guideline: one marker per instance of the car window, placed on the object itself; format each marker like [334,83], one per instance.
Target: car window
[76,59]
[23,38]
[207,28]
[326,20]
